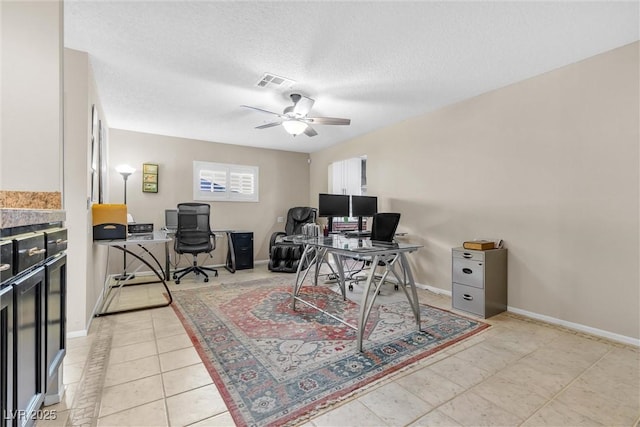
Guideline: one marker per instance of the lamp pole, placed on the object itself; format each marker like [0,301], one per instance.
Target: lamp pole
[125,176]
[125,171]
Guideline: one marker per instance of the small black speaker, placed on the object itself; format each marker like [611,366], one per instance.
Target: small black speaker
[243,249]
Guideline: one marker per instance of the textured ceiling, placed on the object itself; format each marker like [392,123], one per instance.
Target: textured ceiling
[183,68]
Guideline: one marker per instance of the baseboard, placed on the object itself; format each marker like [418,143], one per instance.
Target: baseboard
[78,334]
[552,320]
[433,289]
[577,327]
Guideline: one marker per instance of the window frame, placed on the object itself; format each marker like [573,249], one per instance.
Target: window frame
[227,194]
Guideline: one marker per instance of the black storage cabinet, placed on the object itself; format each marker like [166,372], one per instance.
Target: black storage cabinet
[241,250]
[6,356]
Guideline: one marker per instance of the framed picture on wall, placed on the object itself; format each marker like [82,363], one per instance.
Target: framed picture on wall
[150,178]
[150,187]
[102,138]
[95,155]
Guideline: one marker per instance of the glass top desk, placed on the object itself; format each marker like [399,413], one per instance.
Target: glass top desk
[142,242]
[394,254]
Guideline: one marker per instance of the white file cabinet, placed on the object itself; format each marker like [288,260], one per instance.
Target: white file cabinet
[479,281]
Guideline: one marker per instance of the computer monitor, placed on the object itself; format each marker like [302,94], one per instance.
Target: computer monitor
[362,206]
[171,219]
[333,205]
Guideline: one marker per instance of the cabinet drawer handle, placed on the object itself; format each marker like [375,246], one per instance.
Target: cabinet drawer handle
[467,255]
[4,267]
[467,297]
[467,270]
[35,251]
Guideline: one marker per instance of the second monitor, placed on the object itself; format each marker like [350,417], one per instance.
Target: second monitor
[333,205]
[363,206]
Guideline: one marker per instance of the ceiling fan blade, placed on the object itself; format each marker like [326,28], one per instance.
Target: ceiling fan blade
[309,131]
[327,120]
[268,125]
[260,109]
[302,107]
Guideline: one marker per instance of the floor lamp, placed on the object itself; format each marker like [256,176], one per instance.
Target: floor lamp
[125,171]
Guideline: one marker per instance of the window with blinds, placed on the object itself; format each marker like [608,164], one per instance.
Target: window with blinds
[225,182]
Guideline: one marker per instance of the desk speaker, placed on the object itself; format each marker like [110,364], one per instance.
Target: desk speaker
[138,228]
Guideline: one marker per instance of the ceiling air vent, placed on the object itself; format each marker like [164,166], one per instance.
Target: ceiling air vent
[272,81]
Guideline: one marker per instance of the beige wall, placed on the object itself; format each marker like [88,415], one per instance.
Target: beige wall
[85,271]
[550,165]
[283,181]
[31,131]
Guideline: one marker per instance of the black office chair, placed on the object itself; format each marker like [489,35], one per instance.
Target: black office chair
[383,229]
[194,237]
[284,256]
[384,226]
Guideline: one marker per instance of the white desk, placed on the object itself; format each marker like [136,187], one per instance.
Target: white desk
[317,248]
[141,241]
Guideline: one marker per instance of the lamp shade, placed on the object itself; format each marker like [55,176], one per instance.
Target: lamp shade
[125,170]
[294,127]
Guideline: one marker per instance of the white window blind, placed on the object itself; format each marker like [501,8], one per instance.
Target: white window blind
[225,182]
[241,182]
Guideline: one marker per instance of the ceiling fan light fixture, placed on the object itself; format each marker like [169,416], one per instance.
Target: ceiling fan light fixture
[294,127]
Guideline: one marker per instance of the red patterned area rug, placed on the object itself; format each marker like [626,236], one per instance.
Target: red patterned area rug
[276,366]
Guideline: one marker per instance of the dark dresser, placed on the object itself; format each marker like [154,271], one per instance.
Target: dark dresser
[33,272]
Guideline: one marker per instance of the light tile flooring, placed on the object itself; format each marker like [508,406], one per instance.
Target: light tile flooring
[141,368]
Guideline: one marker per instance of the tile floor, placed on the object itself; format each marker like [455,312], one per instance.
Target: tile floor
[140,368]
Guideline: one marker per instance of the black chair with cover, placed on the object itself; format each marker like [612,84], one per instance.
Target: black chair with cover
[193,236]
[383,229]
[284,256]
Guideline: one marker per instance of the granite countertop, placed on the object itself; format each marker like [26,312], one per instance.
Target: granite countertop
[10,218]
[24,208]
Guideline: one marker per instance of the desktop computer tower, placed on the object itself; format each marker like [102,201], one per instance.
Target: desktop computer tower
[242,249]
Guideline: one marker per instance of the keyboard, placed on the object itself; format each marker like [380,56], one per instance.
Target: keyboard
[359,234]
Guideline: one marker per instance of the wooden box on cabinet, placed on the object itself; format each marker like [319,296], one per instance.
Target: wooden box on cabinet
[479,281]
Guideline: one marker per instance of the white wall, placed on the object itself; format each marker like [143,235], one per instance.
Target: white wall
[31,116]
[549,164]
[86,266]
[283,181]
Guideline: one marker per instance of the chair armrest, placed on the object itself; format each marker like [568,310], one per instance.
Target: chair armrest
[274,238]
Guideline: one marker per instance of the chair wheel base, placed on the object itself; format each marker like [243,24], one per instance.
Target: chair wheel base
[206,279]
[351,287]
[177,282]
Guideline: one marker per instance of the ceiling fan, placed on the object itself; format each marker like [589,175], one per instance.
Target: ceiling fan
[294,118]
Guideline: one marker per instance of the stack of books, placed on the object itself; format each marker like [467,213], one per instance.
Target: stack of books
[479,245]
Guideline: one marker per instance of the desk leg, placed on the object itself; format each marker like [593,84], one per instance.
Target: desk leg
[341,278]
[297,285]
[365,304]
[167,265]
[413,299]
[321,254]
[230,265]
[159,275]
